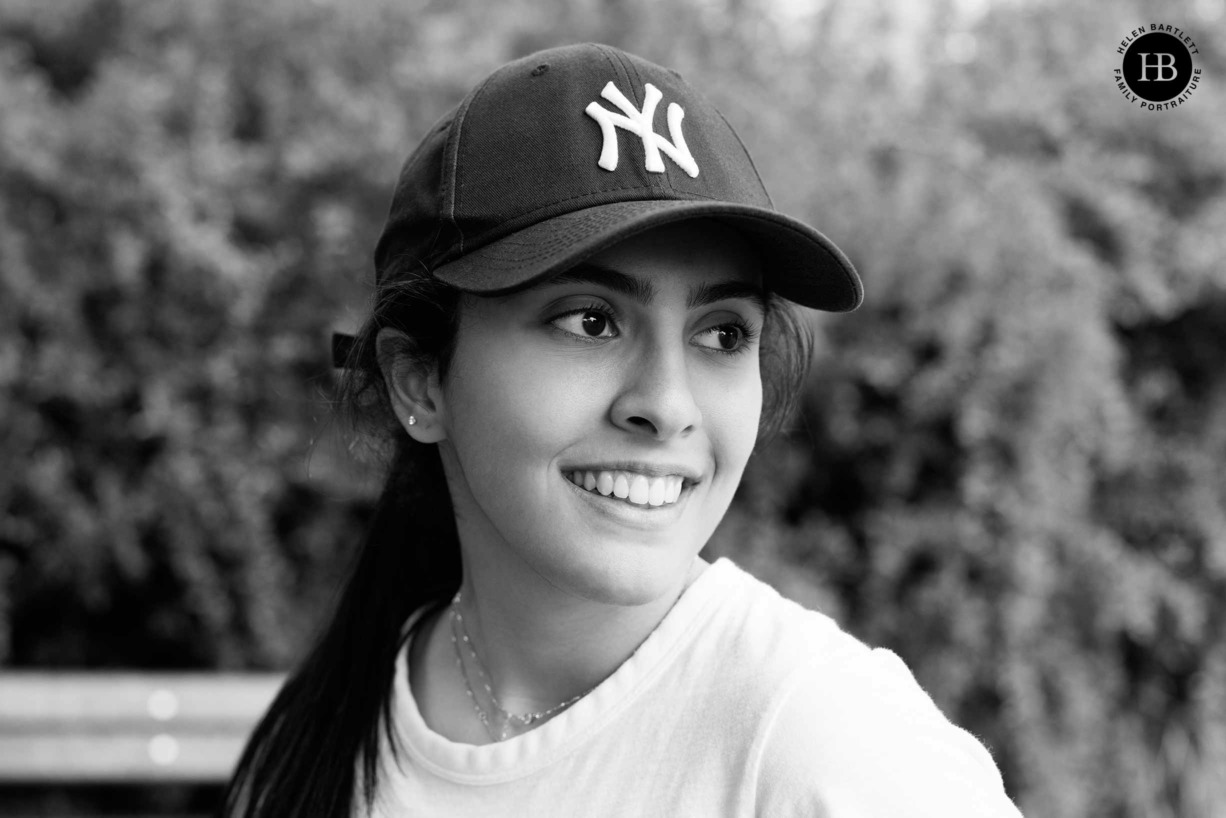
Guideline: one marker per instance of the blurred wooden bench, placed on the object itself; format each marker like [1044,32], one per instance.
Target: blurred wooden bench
[127,727]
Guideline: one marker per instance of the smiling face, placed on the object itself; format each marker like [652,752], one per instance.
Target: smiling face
[596,426]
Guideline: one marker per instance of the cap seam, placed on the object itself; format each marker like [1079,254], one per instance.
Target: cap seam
[457,134]
[619,70]
[665,177]
[623,69]
[635,83]
[619,73]
[748,155]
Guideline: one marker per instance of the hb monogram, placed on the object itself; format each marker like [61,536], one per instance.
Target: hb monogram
[1160,64]
[641,124]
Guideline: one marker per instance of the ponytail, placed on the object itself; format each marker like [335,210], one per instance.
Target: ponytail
[303,756]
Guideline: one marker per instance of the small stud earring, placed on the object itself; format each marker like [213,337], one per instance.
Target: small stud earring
[412,420]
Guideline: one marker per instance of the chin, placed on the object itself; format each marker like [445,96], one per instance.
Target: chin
[632,579]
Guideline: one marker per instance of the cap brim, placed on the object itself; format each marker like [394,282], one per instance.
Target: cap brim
[798,262]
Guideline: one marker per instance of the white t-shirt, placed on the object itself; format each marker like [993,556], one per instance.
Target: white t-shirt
[740,703]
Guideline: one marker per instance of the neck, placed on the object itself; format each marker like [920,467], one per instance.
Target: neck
[541,645]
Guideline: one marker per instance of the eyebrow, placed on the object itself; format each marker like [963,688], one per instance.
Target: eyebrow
[644,292]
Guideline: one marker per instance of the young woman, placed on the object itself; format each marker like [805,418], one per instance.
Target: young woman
[580,331]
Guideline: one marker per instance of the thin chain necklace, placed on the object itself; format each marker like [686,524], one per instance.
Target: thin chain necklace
[507,719]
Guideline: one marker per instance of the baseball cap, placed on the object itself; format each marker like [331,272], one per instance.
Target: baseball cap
[566,152]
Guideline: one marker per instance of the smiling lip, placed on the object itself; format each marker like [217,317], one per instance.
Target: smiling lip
[644,516]
[643,485]
[689,475]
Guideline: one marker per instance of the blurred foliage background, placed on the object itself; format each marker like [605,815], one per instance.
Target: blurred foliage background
[1008,466]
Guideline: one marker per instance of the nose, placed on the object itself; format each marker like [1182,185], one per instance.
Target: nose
[656,398]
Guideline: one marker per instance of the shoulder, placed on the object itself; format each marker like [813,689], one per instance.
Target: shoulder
[841,729]
[862,738]
[770,637]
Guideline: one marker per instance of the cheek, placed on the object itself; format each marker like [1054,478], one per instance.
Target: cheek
[511,413]
[731,413]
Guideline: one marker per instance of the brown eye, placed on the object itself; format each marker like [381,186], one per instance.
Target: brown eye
[723,338]
[587,322]
[729,337]
[594,324]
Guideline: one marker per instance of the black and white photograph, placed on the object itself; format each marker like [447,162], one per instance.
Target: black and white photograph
[593,408]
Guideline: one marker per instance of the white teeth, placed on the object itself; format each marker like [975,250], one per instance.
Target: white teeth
[621,486]
[638,489]
[657,488]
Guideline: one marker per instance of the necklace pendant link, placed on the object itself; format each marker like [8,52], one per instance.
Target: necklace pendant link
[506,719]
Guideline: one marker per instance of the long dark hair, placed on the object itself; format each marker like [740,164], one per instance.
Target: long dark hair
[302,757]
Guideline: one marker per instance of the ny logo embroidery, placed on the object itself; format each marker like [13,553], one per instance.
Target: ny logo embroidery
[640,124]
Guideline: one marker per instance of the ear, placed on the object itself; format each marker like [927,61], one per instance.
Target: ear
[412,385]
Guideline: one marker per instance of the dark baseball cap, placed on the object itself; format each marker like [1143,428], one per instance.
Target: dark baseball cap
[566,152]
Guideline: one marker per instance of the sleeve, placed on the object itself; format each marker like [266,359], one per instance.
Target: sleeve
[865,741]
